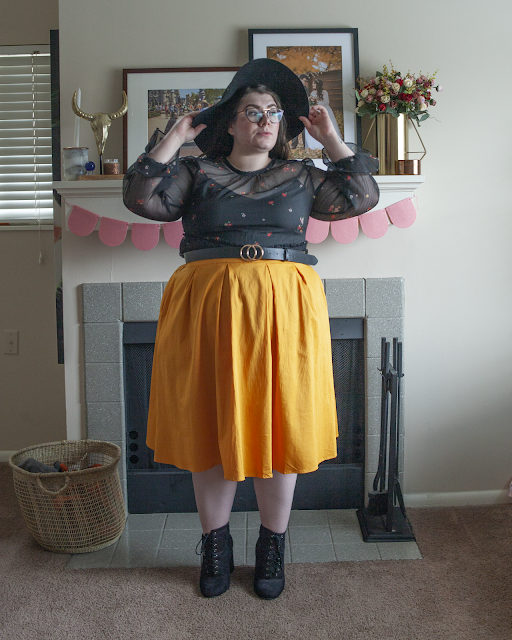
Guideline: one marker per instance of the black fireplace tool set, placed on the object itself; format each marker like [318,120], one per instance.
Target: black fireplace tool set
[384,519]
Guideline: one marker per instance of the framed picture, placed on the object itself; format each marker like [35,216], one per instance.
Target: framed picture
[157,97]
[327,62]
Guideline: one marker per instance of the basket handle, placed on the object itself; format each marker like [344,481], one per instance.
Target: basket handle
[52,493]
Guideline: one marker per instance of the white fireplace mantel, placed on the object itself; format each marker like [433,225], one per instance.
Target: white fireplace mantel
[105,197]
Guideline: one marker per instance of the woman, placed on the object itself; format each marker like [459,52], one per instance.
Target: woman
[320,97]
[242,374]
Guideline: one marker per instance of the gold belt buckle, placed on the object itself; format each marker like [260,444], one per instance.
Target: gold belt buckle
[251,252]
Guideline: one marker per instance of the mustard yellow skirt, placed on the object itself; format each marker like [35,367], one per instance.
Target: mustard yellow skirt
[242,372]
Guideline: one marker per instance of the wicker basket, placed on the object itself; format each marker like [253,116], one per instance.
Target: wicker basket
[78,510]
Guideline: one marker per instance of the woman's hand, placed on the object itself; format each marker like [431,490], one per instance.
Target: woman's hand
[182,131]
[319,125]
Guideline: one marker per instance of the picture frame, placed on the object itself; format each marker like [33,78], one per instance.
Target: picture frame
[330,55]
[166,90]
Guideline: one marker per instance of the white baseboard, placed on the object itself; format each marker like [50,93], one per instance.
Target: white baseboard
[457,499]
[5,455]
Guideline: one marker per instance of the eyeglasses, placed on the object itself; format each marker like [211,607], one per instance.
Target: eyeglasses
[273,114]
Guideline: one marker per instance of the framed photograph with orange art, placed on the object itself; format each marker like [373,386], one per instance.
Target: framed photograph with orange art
[327,62]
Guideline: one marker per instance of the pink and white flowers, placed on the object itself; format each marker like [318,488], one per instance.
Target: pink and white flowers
[394,93]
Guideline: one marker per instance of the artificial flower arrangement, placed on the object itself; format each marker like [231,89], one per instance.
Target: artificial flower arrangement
[394,93]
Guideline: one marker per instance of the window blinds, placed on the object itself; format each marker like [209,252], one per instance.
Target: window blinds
[26,195]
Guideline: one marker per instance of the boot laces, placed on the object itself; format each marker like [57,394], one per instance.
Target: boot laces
[273,558]
[209,553]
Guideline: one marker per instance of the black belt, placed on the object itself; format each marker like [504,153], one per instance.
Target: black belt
[251,253]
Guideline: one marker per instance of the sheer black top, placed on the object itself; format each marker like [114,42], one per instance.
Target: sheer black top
[222,206]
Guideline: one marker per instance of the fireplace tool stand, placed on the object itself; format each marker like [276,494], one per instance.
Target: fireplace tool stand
[385,520]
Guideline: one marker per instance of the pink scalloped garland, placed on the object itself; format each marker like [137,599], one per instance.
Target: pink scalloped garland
[345,231]
[145,236]
[82,222]
[112,232]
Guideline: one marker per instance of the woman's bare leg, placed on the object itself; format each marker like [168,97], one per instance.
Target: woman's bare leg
[275,497]
[214,497]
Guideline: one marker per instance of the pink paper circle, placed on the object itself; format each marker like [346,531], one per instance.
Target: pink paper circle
[145,236]
[173,233]
[374,223]
[317,230]
[82,222]
[402,214]
[345,231]
[112,232]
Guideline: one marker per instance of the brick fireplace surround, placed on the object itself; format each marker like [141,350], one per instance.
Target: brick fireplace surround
[379,301]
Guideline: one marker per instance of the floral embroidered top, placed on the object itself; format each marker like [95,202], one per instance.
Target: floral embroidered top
[222,206]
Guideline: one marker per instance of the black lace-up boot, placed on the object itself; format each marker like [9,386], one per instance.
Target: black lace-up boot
[269,571]
[217,561]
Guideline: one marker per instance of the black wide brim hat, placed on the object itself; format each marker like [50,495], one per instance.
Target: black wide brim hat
[275,76]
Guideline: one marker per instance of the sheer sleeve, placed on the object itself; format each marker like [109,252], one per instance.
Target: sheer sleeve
[347,189]
[158,191]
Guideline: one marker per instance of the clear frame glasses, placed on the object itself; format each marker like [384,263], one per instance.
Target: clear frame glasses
[273,114]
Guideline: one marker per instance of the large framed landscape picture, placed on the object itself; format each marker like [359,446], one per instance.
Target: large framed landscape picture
[158,97]
[327,62]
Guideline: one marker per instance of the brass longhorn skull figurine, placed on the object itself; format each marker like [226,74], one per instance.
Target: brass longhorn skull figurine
[100,122]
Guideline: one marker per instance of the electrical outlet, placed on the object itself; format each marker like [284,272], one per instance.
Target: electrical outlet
[11,341]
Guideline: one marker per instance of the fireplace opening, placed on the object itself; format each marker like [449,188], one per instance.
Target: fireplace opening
[153,487]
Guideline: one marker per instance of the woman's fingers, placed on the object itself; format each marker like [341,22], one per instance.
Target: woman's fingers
[184,129]
[306,122]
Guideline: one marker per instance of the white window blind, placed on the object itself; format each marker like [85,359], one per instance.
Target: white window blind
[26,195]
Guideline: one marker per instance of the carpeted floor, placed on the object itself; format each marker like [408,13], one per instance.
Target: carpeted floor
[461,590]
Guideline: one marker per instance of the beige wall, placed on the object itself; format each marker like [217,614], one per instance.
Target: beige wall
[31,383]
[456,259]
[28,21]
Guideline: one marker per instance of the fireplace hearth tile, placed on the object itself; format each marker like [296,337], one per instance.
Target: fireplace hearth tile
[384,297]
[105,420]
[372,453]
[373,377]
[378,328]
[103,342]
[101,302]
[146,521]
[342,517]
[313,553]
[141,301]
[373,410]
[345,297]
[357,552]
[308,518]
[347,534]
[180,538]
[318,534]
[183,521]
[103,382]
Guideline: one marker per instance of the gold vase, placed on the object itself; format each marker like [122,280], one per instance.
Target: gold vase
[392,142]
[388,140]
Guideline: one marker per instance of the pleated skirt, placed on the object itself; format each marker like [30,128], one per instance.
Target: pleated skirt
[242,371]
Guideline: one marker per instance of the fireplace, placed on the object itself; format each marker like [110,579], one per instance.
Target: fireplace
[377,302]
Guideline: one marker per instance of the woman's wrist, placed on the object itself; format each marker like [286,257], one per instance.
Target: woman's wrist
[337,150]
[166,149]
